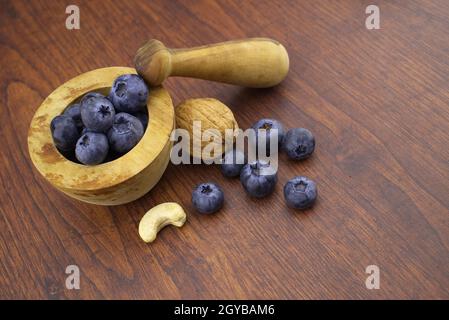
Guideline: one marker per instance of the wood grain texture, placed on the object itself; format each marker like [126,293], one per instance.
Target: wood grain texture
[377,102]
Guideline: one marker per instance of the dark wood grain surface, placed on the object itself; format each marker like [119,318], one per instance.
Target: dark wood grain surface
[376,100]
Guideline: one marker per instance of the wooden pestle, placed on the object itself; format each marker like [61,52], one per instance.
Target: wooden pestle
[253,62]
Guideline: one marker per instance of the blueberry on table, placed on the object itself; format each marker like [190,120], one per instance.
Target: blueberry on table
[129,93]
[300,193]
[232,163]
[258,179]
[92,148]
[125,133]
[97,114]
[74,112]
[270,125]
[299,143]
[64,132]
[207,198]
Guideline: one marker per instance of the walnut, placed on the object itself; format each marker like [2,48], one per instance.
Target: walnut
[209,113]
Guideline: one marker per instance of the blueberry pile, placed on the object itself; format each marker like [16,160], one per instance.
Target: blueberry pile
[256,178]
[100,129]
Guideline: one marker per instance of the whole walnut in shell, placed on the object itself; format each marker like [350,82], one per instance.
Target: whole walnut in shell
[209,113]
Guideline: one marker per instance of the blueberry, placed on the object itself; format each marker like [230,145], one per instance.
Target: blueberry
[125,133]
[85,130]
[111,156]
[300,193]
[143,117]
[74,112]
[258,179]
[232,163]
[299,143]
[64,132]
[207,198]
[92,148]
[97,114]
[268,125]
[129,93]
[91,95]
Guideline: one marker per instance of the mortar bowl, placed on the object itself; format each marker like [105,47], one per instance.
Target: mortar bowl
[119,181]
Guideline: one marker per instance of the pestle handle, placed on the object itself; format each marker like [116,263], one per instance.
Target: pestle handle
[253,62]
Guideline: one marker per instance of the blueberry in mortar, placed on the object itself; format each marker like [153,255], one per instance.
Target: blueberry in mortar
[207,198]
[111,156]
[125,133]
[258,178]
[74,112]
[143,117]
[92,148]
[299,143]
[91,95]
[300,192]
[269,125]
[129,93]
[64,132]
[232,163]
[85,130]
[97,114]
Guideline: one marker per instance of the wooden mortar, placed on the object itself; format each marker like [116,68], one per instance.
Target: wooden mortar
[116,182]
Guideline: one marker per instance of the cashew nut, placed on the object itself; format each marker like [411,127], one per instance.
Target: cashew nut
[158,217]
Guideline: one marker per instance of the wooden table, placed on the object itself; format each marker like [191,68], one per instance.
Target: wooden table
[376,100]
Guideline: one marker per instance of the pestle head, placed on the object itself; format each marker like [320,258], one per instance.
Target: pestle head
[153,62]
